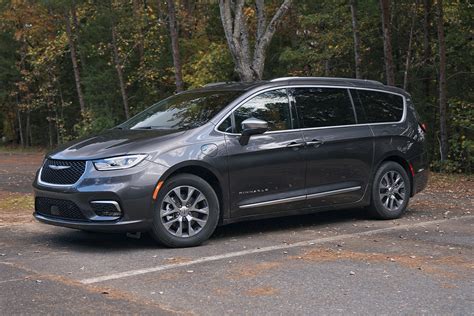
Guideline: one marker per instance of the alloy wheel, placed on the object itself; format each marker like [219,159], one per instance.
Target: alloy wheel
[392,190]
[184,211]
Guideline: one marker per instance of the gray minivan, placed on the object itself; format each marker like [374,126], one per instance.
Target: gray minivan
[239,151]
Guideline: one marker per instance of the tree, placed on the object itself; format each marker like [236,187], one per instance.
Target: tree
[138,8]
[427,43]
[175,46]
[443,128]
[75,66]
[249,66]
[118,68]
[76,31]
[410,46]
[355,31]
[387,41]
[132,62]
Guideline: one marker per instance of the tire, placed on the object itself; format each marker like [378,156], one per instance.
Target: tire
[179,216]
[391,189]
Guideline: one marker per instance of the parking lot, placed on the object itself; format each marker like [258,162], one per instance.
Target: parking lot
[327,263]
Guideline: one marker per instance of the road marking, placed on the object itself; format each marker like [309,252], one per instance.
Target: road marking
[130,273]
[12,280]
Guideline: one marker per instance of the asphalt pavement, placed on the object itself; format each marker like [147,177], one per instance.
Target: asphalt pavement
[323,263]
[328,263]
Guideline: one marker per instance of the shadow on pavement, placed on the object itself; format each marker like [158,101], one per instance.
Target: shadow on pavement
[92,241]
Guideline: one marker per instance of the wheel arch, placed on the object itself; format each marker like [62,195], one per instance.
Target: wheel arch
[401,160]
[208,174]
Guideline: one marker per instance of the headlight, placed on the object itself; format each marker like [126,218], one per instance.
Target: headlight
[121,162]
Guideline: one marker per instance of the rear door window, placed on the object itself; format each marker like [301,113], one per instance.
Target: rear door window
[380,107]
[320,107]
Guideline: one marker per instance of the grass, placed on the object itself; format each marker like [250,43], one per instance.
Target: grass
[16,201]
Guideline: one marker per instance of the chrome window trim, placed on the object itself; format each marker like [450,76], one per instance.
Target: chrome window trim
[332,192]
[274,202]
[301,197]
[53,185]
[403,119]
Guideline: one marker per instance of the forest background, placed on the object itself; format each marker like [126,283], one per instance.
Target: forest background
[69,68]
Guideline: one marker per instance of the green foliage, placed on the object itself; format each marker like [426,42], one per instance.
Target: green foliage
[322,47]
[461,140]
[211,65]
[314,38]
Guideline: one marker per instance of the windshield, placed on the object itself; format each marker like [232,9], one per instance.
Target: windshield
[182,111]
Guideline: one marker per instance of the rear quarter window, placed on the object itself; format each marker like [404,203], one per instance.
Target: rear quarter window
[380,107]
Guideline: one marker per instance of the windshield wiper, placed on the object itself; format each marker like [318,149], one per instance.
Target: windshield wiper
[153,127]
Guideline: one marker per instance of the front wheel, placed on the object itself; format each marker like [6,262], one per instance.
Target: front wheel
[186,212]
[390,191]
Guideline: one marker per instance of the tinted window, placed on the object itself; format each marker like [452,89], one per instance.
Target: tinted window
[319,107]
[271,106]
[182,111]
[380,106]
[226,125]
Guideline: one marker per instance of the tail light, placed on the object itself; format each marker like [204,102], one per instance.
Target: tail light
[423,127]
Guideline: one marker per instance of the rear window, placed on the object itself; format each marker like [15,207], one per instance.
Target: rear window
[380,107]
[319,107]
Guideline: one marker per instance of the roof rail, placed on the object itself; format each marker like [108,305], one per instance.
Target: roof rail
[218,83]
[327,78]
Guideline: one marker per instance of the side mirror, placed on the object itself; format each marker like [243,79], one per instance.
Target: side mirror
[252,126]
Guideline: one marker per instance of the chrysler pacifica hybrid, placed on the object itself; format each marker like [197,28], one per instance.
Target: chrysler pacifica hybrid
[237,151]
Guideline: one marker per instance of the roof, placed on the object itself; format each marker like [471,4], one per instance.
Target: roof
[331,81]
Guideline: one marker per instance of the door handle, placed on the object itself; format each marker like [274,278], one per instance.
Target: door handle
[296,145]
[315,142]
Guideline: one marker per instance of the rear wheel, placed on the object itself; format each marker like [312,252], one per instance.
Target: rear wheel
[390,191]
[186,212]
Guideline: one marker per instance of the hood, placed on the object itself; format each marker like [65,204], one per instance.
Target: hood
[113,142]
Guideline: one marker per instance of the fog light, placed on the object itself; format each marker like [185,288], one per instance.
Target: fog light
[106,208]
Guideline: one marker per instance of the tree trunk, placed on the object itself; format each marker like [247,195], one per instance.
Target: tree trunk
[175,46]
[410,47]
[58,135]
[387,41]
[60,120]
[29,137]
[118,67]
[249,66]
[443,128]
[50,129]
[426,45]
[427,68]
[327,67]
[20,124]
[77,39]
[77,75]
[137,8]
[355,32]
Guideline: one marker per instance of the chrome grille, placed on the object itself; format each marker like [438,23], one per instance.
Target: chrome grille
[62,172]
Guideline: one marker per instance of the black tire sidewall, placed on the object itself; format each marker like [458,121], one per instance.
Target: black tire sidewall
[161,234]
[376,207]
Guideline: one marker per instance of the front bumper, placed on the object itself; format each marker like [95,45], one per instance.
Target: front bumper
[131,188]
[112,226]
